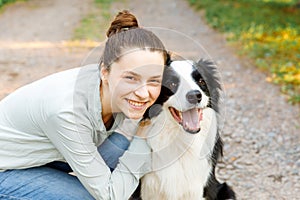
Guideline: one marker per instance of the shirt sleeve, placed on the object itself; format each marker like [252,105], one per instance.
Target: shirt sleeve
[76,145]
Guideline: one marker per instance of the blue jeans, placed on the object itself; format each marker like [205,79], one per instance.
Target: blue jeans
[41,183]
[52,181]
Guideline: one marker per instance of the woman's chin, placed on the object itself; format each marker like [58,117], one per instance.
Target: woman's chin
[134,115]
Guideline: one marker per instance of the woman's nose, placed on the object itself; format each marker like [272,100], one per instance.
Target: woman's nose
[142,92]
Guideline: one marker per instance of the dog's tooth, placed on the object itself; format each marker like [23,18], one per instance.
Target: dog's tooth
[180,115]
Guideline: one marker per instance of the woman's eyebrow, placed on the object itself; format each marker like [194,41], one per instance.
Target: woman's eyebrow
[132,73]
[138,75]
[157,76]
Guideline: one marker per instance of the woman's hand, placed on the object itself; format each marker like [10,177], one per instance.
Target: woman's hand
[131,127]
[143,128]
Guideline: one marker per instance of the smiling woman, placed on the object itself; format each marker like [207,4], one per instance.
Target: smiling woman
[84,120]
[133,83]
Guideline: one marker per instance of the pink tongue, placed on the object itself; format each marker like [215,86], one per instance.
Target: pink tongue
[191,119]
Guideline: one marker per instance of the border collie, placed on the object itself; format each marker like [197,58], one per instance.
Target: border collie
[184,136]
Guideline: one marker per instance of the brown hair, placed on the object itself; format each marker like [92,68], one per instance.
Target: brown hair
[124,33]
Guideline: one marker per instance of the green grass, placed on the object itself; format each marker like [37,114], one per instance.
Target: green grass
[2,2]
[94,25]
[267,31]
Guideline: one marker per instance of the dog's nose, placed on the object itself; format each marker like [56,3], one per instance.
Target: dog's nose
[194,96]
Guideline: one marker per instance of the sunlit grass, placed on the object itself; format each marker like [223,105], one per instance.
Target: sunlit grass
[2,2]
[267,31]
[93,26]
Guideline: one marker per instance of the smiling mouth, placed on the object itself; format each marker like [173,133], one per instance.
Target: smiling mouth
[189,119]
[136,104]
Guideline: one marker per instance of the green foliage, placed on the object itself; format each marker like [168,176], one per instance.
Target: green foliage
[105,5]
[2,2]
[267,31]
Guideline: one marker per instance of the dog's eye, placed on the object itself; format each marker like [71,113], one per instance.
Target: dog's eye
[201,82]
[173,86]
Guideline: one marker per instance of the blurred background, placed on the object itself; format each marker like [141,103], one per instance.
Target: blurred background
[256,44]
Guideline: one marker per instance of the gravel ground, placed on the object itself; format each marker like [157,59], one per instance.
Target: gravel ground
[261,130]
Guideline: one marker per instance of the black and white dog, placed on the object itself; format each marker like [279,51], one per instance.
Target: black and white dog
[184,136]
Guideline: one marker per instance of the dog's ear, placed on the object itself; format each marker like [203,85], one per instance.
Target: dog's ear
[152,111]
[168,60]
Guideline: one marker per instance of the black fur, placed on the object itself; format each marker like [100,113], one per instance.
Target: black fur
[201,82]
[169,87]
[208,71]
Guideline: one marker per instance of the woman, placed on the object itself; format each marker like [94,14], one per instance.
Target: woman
[70,116]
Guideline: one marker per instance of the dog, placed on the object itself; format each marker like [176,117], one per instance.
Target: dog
[184,135]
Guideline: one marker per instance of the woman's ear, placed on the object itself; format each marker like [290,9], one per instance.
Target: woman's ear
[104,73]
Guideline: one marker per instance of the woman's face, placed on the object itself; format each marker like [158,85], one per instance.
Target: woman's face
[134,82]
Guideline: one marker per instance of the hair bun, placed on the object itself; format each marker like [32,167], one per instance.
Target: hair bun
[122,22]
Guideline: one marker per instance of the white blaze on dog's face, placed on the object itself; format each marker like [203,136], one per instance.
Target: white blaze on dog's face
[189,97]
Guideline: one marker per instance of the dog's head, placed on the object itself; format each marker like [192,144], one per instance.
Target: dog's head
[187,89]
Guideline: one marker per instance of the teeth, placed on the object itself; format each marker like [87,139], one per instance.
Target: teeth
[134,103]
[180,115]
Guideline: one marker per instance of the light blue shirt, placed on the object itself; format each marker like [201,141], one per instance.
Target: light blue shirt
[58,118]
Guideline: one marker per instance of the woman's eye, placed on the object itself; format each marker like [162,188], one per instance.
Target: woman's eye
[129,77]
[155,81]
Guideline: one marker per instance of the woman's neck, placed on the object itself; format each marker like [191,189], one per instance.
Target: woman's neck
[106,114]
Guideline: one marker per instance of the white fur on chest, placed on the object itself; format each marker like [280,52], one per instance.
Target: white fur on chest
[181,165]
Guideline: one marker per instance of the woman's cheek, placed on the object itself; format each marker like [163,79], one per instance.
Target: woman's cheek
[155,91]
[123,88]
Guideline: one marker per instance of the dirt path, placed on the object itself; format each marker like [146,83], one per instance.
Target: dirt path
[261,133]
[31,40]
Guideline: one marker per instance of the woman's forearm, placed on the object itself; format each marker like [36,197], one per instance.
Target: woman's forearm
[113,148]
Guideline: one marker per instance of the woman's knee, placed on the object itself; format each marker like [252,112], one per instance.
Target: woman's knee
[42,183]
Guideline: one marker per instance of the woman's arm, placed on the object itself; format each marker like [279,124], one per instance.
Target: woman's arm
[113,148]
[75,143]
[117,143]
